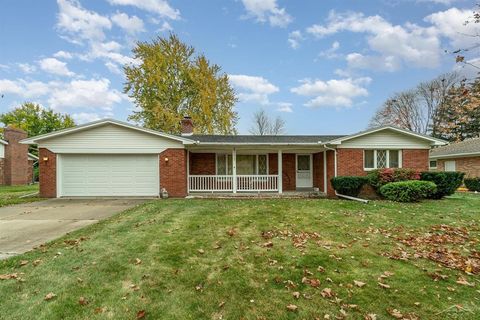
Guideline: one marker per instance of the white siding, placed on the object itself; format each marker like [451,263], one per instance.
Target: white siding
[386,139]
[109,138]
[2,150]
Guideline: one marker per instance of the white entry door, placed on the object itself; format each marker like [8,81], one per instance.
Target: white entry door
[108,175]
[304,171]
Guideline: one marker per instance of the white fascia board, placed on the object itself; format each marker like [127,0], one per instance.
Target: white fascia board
[456,155]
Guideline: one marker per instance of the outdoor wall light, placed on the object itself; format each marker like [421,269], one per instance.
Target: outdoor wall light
[45,158]
[166,159]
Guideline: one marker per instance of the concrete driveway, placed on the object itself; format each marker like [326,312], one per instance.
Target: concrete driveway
[25,226]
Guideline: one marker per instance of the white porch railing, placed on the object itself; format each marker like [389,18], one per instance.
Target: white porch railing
[224,183]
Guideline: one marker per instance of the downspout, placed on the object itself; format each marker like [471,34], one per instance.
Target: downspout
[335,174]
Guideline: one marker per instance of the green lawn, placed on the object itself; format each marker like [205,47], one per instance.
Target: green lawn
[250,259]
[11,194]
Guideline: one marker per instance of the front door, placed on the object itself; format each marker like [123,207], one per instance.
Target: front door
[304,171]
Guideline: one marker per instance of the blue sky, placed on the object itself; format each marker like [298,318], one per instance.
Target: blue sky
[323,66]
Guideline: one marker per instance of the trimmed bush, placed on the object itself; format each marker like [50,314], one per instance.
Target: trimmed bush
[408,191]
[472,184]
[349,186]
[447,182]
[380,177]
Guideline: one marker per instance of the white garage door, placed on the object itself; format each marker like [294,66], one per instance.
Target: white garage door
[108,175]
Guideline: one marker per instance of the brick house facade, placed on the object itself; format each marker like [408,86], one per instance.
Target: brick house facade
[189,164]
[16,167]
[462,156]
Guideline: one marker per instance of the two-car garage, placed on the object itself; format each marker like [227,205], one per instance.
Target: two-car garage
[108,158]
[107,175]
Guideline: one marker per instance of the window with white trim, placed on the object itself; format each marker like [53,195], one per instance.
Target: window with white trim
[382,158]
[247,164]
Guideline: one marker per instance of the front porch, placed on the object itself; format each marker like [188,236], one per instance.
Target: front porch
[250,172]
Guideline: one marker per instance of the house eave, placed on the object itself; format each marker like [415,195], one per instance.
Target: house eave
[454,155]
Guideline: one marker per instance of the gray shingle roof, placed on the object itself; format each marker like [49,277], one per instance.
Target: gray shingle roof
[280,139]
[465,147]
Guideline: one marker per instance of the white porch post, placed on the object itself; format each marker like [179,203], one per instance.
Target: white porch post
[280,174]
[234,170]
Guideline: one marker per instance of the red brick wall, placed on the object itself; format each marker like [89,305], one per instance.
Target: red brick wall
[318,170]
[202,163]
[288,169]
[330,172]
[16,157]
[350,162]
[48,173]
[469,165]
[173,173]
[2,171]
[415,159]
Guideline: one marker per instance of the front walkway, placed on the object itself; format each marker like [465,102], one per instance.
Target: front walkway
[25,226]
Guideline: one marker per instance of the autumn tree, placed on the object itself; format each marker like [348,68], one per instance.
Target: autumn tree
[416,109]
[171,81]
[35,120]
[459,116]
[263,124]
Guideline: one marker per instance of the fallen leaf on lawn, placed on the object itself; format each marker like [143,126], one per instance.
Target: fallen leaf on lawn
[99,310]
[358,283]
[232,232]
[79,280]
[138,261]
[321,269]
[268,244]
[464,282]
[8,276]
[82,301]
[383,285]
[217,245]
[198,287]
[49,296]
[292,307]
[23,262]
[417,303]
[201,251]
[388,273]
[395,313]
[221,304]
[327,293]
[371,316]
[296,294]
[36,262]
[141,314]
[314,283]
[134,287]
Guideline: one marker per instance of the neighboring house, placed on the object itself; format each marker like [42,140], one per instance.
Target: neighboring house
[16,164]
[461,156]
[113,158]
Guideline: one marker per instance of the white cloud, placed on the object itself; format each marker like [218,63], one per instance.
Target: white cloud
[331,52]
[165,27]
[160,7]
[252,88]
[332,93]
[27,68]
[63,55]
[294,39]
[131,24]
[55,66]
[86,94]
[90,94]
[83,117]
[451,25]
[444,2]
[80,24]
[267,10]
[391,45]
[284,107]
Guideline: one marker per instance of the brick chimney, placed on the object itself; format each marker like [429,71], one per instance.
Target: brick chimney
[16,157]
[187,126]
